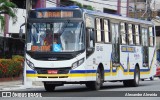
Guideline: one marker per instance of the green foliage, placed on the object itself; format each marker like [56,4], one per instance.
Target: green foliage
[89,7]
[78,4]
[18,58]
[8,8]
[83,6]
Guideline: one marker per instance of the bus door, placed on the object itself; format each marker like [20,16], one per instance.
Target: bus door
[145,52]
[115,44]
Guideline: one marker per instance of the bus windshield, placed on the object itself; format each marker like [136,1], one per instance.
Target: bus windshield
[59,36]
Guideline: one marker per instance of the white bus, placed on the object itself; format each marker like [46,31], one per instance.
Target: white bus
[69,45]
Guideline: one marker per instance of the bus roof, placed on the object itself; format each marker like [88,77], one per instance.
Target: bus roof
[58,8]
[114,16]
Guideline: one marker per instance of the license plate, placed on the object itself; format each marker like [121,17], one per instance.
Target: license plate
[52,71]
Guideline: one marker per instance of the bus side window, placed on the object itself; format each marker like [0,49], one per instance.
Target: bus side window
[144,37]
[123,33]
[151,36]
[137,35]
[130,34]
[106,32]
[98,30]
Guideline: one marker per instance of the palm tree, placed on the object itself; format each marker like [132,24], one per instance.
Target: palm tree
[8,8]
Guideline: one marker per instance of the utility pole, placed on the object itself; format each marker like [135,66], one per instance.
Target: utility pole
[57,3]
[135,8]
[149,11]
[127,11]
[25,82]
[28,6]
[119,7]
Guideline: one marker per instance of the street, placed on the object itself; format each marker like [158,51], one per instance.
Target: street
[110,90]
[109,87]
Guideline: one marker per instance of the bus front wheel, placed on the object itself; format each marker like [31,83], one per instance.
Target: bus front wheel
[96,85]
[49,87]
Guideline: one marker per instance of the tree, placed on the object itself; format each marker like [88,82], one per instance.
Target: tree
[83,6]
[8,8]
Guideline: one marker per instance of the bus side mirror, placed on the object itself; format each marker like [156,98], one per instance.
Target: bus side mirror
[20,32]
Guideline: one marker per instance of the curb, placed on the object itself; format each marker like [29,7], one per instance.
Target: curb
[19,87]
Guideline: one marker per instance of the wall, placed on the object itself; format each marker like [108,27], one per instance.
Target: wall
[14,28]
[51,4]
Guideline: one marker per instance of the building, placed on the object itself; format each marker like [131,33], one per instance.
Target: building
[143,9]
[10,44]
[106,6]
[147,10]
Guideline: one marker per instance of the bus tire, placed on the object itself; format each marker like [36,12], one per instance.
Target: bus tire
[151,78]
[135,81]
[49,87]
[96,85]
[136,77]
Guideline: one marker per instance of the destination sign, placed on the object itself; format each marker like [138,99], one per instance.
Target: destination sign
[55,14]
[128,49]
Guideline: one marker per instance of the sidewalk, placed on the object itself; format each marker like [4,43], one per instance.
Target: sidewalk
[17,85]
[10,85]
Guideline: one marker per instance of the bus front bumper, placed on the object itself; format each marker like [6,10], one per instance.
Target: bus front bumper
[60,77]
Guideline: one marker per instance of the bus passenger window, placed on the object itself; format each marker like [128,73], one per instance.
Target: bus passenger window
[106,31]
[123,33]
[130,34]
[151,37]
[137,40]
[144,37]
[98,28]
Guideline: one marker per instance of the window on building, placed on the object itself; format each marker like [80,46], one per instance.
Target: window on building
[123,33]
[130,34]
[106,31]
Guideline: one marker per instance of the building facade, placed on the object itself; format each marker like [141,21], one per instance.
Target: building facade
[106,6]
[147,10]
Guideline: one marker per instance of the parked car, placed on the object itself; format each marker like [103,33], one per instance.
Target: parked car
[157,72]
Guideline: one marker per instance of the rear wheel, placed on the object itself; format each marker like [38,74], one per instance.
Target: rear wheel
[135,81]
[49,87]
[96,85]
[151,78]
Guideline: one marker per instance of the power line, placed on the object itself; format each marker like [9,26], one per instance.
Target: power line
[56,3]
[94,2]
[106,4]
[113,1]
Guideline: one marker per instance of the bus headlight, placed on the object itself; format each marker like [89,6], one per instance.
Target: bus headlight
[30,64]
[77,63]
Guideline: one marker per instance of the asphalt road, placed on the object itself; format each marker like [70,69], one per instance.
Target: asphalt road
[146,85]
[109,88]
[110,91]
